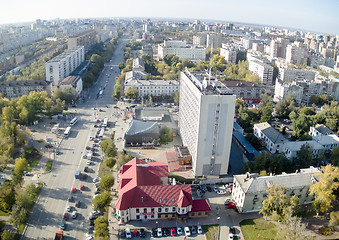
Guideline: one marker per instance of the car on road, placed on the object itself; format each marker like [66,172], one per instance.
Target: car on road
[96,179]
[57,153]
[65,216]
[77,203]
[142,233]
[187,231]
[63,225]
[74,190]
[69,208]
[230,205]
[179,231]
[159,232]
[128,233]
[199,229]
[74,214]
[230,236]
[173,232]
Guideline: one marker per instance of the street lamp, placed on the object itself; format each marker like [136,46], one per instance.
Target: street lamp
[218,218]
[156,224]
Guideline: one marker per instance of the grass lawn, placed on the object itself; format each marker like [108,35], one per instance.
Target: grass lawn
[2,213]
[33,164]
[258,229]
[104,170]
[49,165]
[211,231]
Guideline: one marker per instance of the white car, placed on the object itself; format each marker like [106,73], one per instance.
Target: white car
[187,231]
[227,200]
[199,229]
[74,214]
[69,208]
[97,179]
[230,236]
[128,233]
[215,189]
[89,162]
[159,232]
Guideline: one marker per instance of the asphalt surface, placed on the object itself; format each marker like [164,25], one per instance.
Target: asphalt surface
[48,212]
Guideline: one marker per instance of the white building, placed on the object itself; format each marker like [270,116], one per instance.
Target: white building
[229,52]
[206,115]
[329,142]
[320,129]
[250,190]
[263,70]
[215,39]
[181,50]
[296,53]
[72,82]
[247,43]
[63,65]
[272,138]
[281,90]
[292,148]
[199,40]
[154,87]
[138,64]
[293,74]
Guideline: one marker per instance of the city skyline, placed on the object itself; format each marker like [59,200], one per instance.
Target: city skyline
[311,15]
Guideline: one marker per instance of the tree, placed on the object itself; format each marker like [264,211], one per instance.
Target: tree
[20,166]
[334,218]
[109,148]
[171,60]
[123,158]
[241,56]
[176,98]
[293,229]
[7,235]
[279,204]
[110,162]
[335,156]
[64,94]
[265,107]
[7,196]
[326,188]
[101,228]
[304,156]
[102,200]
[285,107]
[132,93]
[106,183]
[117,89]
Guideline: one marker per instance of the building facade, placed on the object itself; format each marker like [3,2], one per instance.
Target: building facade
[86,39]
[248,91]
[63,65]
[229,52]
[263,70]
[292,74]
[15,89]
[250,190]
[154,87]
[181,50]
[72,82]
[206,113]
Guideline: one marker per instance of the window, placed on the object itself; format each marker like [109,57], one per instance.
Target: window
[166,209]
[122,213]
[152,209]
[173,209]
[137,210]
[145,210]
[183,211]
[192,214]
[145,216]
[138,217]
[199,213]
[159,209]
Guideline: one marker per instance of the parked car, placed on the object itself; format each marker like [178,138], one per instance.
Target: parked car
[88,147]
[227,201]
[128,233]
[122,234]
[193,230]
[230,205]
[154,232]
[69,208]
[74,190]
[179,231]
[166,232]
[77,203]
[199,229]
[187,231]
[159,232]
[89,162]
[74,214]
[215,189]
[209,188]
[230,236]
[63,225]
[96,179]
[232,230]
[70,199]
[135,233]
[65,216]
[173,232]
[86,169]
[82,187]
[142,233]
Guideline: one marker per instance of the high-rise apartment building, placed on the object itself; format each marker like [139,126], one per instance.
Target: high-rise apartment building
[263,70]
[278,48]
[199,40]
[181,50]
[86,39]
[229,52]
[206,116]
[63,65]
[296,53]
[215,39]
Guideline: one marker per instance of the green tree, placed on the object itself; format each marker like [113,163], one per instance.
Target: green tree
[123,158]
[67,95]
[293,229]
[20,166]
[7,196]
[109,148]
[117,89]
[334,218]
[304,156]
[7,235]
[241,56]
[102,200]
[176,98]
[326,188]
[101,228]
[106,183]
[132,93]
[335,156]
[171,60]
[285,107]
[110,162]
[279,204]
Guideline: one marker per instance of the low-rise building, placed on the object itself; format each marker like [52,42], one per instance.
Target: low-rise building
[144,194]
[248,91]
[72,82]
[329,142]
[14,89]
[138,65]
[154,87]
[320,129]
[181,50]
[270,137]
[134,75]
[250,190]
[292,148]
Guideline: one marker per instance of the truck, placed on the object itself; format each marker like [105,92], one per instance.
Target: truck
[58,235]
[77,174]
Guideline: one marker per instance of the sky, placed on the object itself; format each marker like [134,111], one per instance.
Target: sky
[312,15]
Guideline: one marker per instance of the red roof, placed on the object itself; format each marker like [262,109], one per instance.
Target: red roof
[201,205]
[140,186]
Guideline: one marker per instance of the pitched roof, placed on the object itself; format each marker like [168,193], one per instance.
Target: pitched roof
[271,133]
[323,129]
[296,146]
[140,186]
[137,127]
[201,205]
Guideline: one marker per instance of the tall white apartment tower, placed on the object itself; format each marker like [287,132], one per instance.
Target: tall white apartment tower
[206,115]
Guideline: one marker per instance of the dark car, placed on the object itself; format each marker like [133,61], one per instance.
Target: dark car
[70,199]
[193,230]
[84,176]
[122,234]
[154,232]
[166,232]
[88,147]
[232,230]
[142,233]
[135,233]
[65,216]
[63,225]
[91,223]
[77,203]
[209,188]
[93,149]
[86,169]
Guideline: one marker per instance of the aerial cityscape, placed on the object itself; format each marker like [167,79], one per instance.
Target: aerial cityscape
[187,120]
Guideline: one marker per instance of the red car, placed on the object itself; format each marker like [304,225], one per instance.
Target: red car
[74,190]
[231,205]
[173,232]
[82,187]
[135,233]
[65,216]
[96,140]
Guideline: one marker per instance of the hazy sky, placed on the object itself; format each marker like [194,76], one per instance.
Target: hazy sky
[314,15]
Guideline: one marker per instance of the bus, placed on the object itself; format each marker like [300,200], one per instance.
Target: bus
[67,132]
[102,132]
[105,122]
[73,121]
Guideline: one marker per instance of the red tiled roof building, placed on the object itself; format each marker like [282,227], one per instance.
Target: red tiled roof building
[144,194]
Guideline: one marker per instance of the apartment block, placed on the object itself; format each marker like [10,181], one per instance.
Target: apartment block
[229,52]
[153,87]
[63,65]
[248,91]
[296,53]
[15,89]
[263,70]
[86,39]
[206,116]
[181,50]
[199,40]
[293,74]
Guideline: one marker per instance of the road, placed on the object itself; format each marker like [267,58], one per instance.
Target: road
[48,211]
